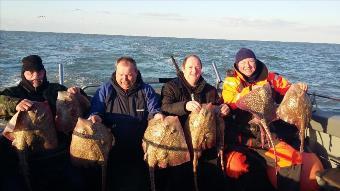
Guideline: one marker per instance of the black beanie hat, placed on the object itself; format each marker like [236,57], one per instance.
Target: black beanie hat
[244,53]
[32,63]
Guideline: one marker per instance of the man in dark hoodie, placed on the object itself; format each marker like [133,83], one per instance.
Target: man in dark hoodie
[32,87]
[125,104]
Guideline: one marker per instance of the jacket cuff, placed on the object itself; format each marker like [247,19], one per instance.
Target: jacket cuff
[99,114]
[184,108]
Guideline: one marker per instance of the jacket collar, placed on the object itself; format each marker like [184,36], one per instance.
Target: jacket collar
[197,89]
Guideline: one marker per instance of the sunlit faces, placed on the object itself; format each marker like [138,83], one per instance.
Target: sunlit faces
[247,66]
[126,74]
[192,70]
[35,77]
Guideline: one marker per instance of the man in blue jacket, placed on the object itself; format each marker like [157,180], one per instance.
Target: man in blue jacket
[125,104]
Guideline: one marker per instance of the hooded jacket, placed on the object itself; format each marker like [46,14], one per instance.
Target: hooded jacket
[126,112]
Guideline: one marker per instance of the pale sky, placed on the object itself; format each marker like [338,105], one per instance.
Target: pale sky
[289,21]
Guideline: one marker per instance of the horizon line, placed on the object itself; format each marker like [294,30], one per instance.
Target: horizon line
[195,38]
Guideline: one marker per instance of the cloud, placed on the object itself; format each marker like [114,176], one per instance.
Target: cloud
[274,24]
[77,10]
[327,30]
[257,23]
[276,29]
[105,12]
[164,16]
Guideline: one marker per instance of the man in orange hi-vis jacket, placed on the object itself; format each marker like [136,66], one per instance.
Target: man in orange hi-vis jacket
[246,161]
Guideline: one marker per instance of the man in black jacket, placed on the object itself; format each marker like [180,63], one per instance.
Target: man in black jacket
[44,174]
[181,96]
[32,87]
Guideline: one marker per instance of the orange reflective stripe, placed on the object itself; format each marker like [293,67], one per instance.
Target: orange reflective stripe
[270,78]
[286,155]
[236,164]
[240,138]
[250,142]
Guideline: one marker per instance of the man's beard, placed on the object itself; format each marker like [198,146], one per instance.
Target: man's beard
[36,82]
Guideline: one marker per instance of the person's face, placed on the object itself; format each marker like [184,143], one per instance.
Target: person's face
[35,77]
[192,69]
[126,74]
[247,66]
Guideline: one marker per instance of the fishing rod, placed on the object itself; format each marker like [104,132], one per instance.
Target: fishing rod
[178,71]
[218,77]
[323,96]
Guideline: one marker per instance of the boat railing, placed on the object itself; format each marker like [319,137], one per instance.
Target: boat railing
[148,80]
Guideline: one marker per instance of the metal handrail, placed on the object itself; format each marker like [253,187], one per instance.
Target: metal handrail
[148,81]
[323,96]
[89,86]
[164,80]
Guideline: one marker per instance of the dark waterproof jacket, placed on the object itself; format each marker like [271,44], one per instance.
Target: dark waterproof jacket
[126,113]
[176,93]
[44,171]
[13,95]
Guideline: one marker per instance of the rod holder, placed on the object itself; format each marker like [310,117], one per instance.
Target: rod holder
[61,74]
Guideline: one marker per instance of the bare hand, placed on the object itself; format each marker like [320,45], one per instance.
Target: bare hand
[302,86]
[159,116]
[95,119]
[193,106]
[73,90]
[24,105]
[224,110]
